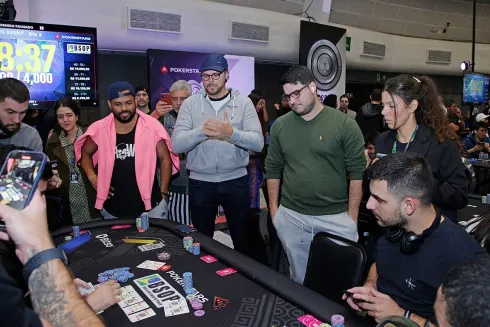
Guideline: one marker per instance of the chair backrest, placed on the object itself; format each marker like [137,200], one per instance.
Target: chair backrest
[335,264]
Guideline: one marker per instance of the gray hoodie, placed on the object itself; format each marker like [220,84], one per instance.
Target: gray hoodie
[215,160]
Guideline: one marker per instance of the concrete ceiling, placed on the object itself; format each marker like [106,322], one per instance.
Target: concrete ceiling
[291,7]
[418,18]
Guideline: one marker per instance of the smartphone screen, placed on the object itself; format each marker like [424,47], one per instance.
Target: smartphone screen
[75,243]
[19,177]
[166,97]
[185,229]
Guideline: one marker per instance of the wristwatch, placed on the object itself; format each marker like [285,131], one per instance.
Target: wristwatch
[41,258]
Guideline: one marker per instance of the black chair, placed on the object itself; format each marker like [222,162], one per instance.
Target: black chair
[332,267]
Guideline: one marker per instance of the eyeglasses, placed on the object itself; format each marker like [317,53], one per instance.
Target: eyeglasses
[294,95]
[205,77]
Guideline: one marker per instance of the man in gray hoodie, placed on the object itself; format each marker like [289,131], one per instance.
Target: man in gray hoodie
[217,128]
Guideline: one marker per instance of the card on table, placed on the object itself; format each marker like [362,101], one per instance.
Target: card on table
[175,307]
[225,272]
[310,321]
[135,308]
[151,265]
[86,291]
[142,315]
[129,297]
[150,247]
[137,241]
[208,259]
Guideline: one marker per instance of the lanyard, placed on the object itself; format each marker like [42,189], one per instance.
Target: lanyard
[393,150]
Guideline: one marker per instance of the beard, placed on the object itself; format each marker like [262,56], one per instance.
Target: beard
[397,221]
[142,104]
[119,117]
[9,129]
[218,89]
[307,108]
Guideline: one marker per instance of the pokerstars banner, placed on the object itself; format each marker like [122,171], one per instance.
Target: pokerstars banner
[167,67]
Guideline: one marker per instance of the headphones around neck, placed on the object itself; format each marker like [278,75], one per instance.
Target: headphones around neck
[410,242]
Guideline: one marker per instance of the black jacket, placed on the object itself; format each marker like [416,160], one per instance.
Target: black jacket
[450,190]
[370,119]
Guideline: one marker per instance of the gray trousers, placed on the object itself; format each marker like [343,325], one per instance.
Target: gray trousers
[296,231]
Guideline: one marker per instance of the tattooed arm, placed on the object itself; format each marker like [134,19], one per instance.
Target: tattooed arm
[53,293]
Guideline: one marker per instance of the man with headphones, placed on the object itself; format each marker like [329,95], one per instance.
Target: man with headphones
[419,247]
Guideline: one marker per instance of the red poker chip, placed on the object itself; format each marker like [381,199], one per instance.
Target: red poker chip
[199,313]
[165,267]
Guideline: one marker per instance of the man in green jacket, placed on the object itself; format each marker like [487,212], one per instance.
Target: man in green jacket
[313,148]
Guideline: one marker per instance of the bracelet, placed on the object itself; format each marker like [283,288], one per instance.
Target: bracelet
[407,314]
[92,177]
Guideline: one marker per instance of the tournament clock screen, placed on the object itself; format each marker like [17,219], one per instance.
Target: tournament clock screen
[53,61]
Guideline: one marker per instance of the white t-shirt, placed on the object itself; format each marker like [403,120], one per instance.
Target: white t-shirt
[217,105]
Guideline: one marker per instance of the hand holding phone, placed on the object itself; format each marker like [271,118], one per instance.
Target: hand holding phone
[166,98]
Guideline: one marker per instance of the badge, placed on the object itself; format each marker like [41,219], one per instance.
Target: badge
[74,178]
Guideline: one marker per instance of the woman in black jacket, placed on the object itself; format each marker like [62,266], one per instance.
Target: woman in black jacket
[418,123]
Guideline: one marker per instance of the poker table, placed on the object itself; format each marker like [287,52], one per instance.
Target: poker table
[258,295]
[474,207]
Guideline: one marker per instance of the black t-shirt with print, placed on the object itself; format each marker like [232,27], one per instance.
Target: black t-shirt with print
[127,202]
[412,280]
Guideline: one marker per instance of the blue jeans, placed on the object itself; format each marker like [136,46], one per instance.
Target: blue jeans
[232,195]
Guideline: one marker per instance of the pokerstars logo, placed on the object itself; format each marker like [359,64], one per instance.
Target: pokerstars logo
[57,36]
[104,238]
[164,69]
[184,70]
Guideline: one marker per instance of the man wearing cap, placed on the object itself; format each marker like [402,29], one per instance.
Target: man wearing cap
[482,117]
[142,99]
[217,128]
[121,144]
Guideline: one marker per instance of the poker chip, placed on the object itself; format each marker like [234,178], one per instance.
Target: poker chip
[191,296]
[199,313]
[68,238]
[76,231]
[197,305]
[337,321]
[121,275]
[163,256]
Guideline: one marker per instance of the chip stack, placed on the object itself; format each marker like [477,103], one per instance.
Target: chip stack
[196,248]
[76,231]
[337,321]
[188,243]
[119,274]
[196,304]
[187,282]
[138,224]
[145,223]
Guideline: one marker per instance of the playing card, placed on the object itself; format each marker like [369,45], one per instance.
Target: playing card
[150,247]
[142,315]
[135,308]
[151,265]
[225,272]
[86,291]
[208,259]
[129,297]
[309,321]
[175,307]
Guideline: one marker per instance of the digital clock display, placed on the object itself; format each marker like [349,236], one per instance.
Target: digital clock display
[53,61]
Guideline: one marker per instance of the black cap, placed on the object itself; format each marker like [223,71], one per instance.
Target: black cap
[140,88]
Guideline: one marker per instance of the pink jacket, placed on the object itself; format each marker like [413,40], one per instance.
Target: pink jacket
[149,132]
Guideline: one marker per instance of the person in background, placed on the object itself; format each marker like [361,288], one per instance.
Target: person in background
[179,186]
[126,147]
[344,107]
[454,117]
[462,297]
[482,117]
[315,194]
[419,247]
[477,142]
[282,108]
[330,101]
[370,151]
[60,147]
[217,128]
[417,123]
[142,99]
[53,293]
[14,102]
[369,117]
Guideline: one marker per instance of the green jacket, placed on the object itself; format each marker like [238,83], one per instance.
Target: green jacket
[55,151]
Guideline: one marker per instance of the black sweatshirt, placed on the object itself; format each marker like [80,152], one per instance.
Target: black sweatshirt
[450,190]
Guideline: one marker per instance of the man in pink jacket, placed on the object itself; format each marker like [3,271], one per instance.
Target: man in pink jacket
[125,148]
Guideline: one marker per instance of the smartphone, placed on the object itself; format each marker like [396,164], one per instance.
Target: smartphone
[19,177]
[70,246]
[351,295]
[185,229]
[53,164]
[166,97]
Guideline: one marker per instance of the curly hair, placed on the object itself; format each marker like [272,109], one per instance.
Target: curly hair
[430,111]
